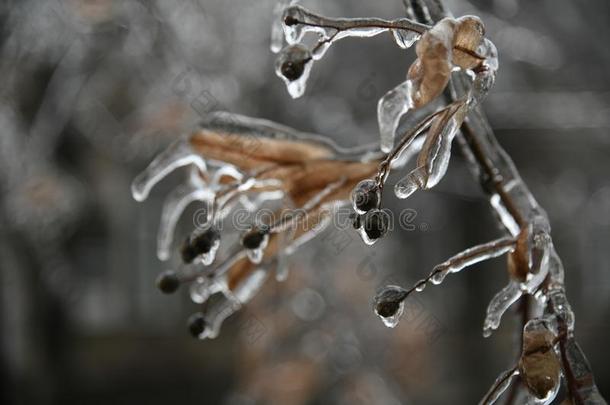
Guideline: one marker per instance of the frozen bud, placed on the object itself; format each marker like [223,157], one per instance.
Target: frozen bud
[389,304]
[255,238]
[366,196]
[293,61]
[168,282]
[205,241]
[539,367]
[376,224]
[196,324]
[199,243]
[468,35]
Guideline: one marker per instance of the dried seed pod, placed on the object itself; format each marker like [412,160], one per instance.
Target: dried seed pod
[431,70]
[539,367]
[469,33]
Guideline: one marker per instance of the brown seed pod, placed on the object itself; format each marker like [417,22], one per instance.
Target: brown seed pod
[469,33]
[539,366]
[431,70]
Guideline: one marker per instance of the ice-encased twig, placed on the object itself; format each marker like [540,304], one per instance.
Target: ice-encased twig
[515,206]
[499,387]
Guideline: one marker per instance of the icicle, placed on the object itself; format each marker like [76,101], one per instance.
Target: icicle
[499,387]
[389,304]
[174,205]
[498,306]
[277,26]
[393,105]
[178,154]
[413,181]
[404,38]
[472,256]
[293,66]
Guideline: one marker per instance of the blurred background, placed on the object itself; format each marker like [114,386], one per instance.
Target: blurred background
[91,90]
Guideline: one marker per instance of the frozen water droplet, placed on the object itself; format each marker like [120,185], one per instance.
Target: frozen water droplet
[439,276]
[404,38]
[410,183]
[389,304]
[293,66]
[420,287]
[393,105]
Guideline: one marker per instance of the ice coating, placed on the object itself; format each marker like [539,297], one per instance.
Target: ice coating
[293,66]
[277,26]
[389,304]
[174,206]
[472,256]
[393,105]
[498,306]
[499,387]
[179,154]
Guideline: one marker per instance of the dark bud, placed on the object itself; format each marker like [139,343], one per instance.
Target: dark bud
[254,237]
[198,244]
[292,62]
[387,301]
[168,282]
[290,20]
[204,241]
[196,324]
[293,70]
[365,196]
[376,224]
